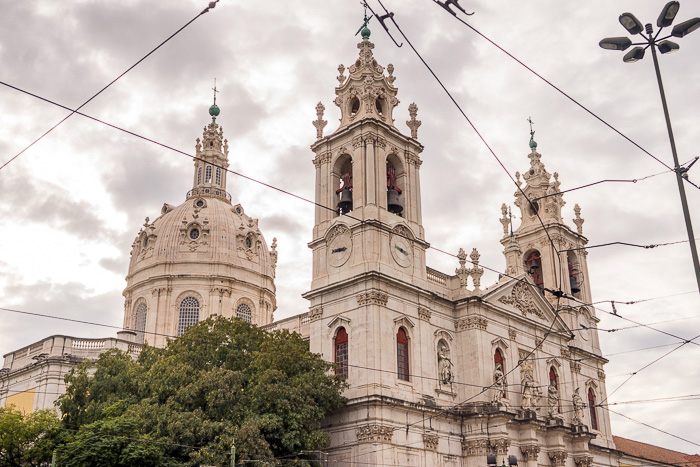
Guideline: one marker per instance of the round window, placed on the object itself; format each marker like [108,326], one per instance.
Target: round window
[238,210]
[248,242]
[194,234]
[199,204]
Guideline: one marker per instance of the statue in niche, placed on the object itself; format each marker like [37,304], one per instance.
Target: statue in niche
[578,408]
[499,383]
[528,394]
[536,397]
[445,365]
[553,400]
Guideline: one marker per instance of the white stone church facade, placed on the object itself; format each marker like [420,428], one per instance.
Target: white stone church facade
[442,371]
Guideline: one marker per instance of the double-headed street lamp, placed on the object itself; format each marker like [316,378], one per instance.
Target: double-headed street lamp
[634,27]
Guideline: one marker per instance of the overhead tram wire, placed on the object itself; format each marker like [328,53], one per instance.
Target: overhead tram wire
[73,112]
[390,16]
[381,225]
[647,425]
[646,247]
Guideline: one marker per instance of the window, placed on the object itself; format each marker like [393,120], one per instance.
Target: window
[140,322]
[402,354]
[189,314]
[341,353]
[591,408]
[199,176]
[248,242]
[207,174]
[218,175]
[194,234]
[244,313]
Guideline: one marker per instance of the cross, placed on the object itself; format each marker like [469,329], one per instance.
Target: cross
[510,216]
[364,24]
[531,122]
[215,91]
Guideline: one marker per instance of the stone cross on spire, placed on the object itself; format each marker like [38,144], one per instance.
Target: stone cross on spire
[533,144]
[215,91]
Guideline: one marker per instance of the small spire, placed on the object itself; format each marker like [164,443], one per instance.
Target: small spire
[214,109]
[533,144]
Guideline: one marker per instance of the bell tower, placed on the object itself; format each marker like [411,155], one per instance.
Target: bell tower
[368,213]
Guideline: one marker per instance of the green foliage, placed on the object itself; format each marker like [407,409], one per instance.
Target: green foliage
[27,440]
[223,381]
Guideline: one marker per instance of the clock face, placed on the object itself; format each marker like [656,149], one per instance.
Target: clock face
[339,249]
[401,251]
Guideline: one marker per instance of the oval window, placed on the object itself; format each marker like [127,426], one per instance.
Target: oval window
[248,242]
[194,234]
[200,203]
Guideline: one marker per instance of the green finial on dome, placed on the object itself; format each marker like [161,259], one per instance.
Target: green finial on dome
[214,110]
[364,30]
[533,143]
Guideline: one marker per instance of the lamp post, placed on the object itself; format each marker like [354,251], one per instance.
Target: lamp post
[634,27]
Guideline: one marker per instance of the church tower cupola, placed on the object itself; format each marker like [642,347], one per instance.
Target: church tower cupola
[211,160]
[366,92]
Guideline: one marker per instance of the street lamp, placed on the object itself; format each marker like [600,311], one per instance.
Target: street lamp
[634,27]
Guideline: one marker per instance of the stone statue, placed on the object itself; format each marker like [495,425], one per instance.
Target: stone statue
[578,408]
[528,391]
[536,397]
[553,400]
[499,383]
[445,365]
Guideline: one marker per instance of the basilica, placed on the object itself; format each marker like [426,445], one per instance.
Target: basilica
[442,370]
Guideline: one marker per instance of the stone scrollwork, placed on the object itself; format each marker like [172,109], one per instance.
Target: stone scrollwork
[500,446]
[530,452]
[316,313]
[431,441]
[374,433]
[522,299]
[424,314]
[372,298]
[558,458]
[583,461]
[475,447]
[473,322]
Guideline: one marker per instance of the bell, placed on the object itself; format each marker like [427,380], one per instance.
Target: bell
[575,287]
[345,203]
[392,201]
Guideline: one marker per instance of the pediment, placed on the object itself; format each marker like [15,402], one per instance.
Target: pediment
[338,321]
[519,296]
[404,321]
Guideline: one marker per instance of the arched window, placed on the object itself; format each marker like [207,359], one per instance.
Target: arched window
[533,266]
[575,274]
[554,381]
[207,174]
[402,354]
[244,312]
[189,314]
[199,176]
[341,353]
[499,365]
[591,408]
[140,322]
[218,175]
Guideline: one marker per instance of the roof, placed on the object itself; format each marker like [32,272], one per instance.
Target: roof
[656,453]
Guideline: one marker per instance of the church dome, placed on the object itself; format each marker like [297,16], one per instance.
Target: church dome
[203,257]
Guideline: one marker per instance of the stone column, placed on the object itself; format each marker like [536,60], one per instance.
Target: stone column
[530,453]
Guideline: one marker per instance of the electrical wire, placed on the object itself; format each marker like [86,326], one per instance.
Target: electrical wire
[73,112]
[646,247]
[650,426]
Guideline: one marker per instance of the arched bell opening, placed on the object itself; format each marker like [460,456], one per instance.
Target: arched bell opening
[575,274]
[379,105]
[342,182]
[395,178]
[354,106]
[532,261]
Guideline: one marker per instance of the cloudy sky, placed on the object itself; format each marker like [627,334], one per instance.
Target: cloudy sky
[73,203]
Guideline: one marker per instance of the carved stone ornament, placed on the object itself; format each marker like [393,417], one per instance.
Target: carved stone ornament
[521,298]
[475,447]
[413,124]
[338,229]
[558,458]
[412,159]
[601,375]
[578,220]
[583,461]
[374,433]
[319,123]
[512,334]
[575,367]
[424,314]
[530,452]
[316,313]
[322,159]
[500,446]
[430,441]
[473,322]
[372,298]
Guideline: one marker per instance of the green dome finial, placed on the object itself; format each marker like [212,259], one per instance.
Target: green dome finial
[214,110]
[365,33]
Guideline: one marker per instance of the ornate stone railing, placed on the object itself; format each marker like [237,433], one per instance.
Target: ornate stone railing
[209,191]
[437,276]
[88,344]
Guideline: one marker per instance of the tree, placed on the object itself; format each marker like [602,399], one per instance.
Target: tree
[223,382]
[27,440]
